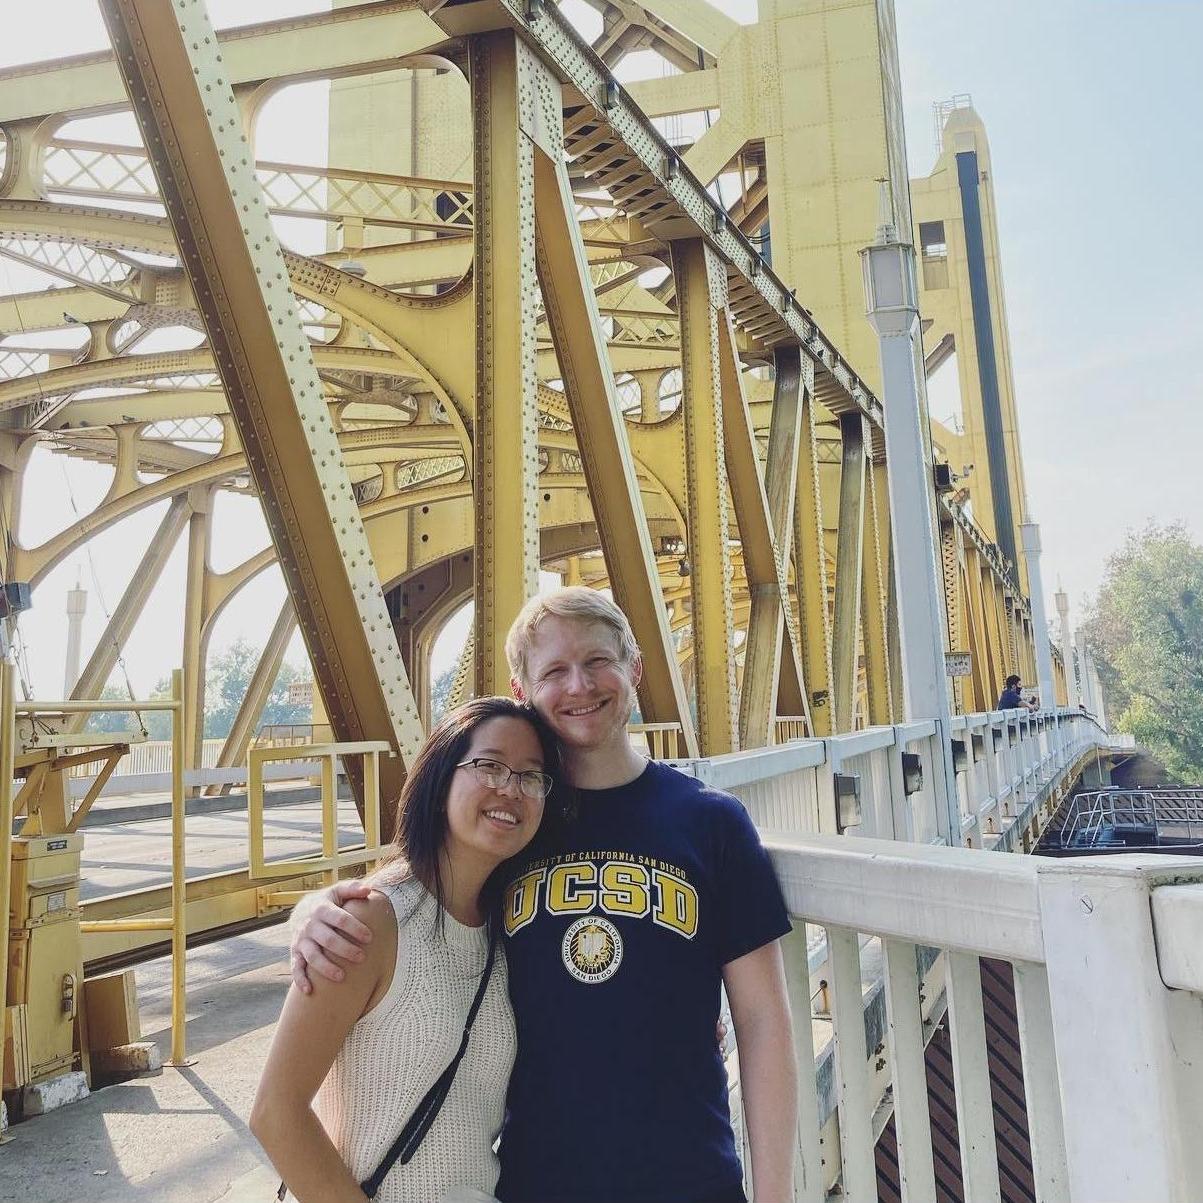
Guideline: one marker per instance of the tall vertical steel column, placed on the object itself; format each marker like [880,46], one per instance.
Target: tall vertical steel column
[701,289]
[849,569]
[892,303]
[505,441]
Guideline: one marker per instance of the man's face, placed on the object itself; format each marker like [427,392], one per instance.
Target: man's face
[576,680]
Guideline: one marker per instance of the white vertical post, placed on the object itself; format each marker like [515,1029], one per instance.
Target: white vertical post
[912,1122]
[77,605]
[1041,1087]
[855,1106]
[971,1080]
[1084,674]
[809,1184]
[1128,1049]
[891,297]
[1072,696]
[1030,533]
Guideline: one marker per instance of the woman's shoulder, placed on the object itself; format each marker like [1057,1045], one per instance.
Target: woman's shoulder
[377,910]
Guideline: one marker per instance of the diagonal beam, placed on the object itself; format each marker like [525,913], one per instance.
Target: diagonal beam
[609,468]
[762,509]
[233,751]
[506,432]
[848,561]
[180,92]
[699,20]
[129,609]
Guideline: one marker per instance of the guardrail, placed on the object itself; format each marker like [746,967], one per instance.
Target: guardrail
[1108,969]
[887,782]
[10,710]
[890,930]
[330,859]
[1172,813]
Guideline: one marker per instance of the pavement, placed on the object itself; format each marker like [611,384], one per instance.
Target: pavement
[177,1135]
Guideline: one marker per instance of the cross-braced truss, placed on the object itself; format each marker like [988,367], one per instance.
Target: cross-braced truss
[570,354]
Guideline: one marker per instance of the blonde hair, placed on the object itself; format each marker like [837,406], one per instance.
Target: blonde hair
[574,602]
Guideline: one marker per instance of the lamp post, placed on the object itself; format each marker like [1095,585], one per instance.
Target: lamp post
[892,305]
[1030,534]
[1072,697]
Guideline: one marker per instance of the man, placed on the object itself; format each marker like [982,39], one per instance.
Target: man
[616,948]
[1011,698]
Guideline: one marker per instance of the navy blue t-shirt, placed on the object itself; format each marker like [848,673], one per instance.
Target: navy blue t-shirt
[615,954]
[1010,699]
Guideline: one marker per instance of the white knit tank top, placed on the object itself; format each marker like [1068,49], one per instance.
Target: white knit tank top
[396,1051]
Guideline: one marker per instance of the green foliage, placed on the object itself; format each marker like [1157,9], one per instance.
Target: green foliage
[440,693]
[1145,631]
[229,674]
[115,722]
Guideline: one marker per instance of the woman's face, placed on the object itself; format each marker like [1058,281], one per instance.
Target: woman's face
[495,823]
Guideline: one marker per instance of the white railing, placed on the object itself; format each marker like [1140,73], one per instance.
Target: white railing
[890,931]
[149,756]
[1108,967]
[1008,764]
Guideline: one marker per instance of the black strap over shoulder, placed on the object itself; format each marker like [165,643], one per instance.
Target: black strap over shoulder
[426,1112]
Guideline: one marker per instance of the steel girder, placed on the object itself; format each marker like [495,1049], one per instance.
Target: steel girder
[180,92]
[602,435]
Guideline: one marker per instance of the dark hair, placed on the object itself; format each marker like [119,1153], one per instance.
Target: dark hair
[421,829]
[1011,681]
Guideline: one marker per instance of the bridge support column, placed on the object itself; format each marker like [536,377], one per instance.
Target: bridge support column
[772,679]
[179,88]
[609,467]
[505,438]
[200,533]
[892,302]
[873,606]
[810,575]
[701,295]
[849,570]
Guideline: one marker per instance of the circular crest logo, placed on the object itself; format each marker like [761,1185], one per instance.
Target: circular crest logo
[592,949]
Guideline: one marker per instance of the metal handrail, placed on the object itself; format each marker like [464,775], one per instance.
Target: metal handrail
[1170,807]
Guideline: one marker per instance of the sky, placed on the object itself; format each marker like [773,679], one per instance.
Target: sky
[1092,110]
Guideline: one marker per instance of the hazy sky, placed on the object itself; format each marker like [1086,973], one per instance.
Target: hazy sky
[1091,107]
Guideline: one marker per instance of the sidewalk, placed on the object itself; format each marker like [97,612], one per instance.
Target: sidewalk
[177,1136]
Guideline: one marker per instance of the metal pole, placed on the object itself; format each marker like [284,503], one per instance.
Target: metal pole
[179,933]
[1030,533]
[1072,695]
[892,305]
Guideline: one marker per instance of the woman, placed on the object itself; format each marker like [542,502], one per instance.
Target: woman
[369,1048]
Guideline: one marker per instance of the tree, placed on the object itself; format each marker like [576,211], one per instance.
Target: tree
[115,722]
[1145,631]
[440,693]
[228,676]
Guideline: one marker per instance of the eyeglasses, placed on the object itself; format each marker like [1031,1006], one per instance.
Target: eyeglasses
[492,774]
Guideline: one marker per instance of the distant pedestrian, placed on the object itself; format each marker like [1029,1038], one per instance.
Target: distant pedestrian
[1011,698]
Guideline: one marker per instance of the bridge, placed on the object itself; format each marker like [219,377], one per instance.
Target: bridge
[577,326]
